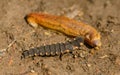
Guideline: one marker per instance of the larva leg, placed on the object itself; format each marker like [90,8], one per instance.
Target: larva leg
[63,50]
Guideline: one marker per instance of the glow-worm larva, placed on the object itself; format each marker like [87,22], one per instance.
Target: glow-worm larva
[54,49]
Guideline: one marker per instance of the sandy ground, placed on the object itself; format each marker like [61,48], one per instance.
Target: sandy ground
[104,15]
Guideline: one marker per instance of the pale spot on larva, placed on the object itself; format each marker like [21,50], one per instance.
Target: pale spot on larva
[81,44]
[41,54]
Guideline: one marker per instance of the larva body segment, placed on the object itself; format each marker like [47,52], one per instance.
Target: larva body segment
[47,50]
[54,49]
[42,50]
[62,47]
[31,52]
[57,48]
[65,25]
[69,46]
[36,51]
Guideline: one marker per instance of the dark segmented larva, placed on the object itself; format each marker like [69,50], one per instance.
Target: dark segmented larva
[54,49]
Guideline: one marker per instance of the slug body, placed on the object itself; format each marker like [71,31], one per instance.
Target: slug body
[54,49]
[66,26]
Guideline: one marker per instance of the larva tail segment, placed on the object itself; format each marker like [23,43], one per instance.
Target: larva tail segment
[54,49]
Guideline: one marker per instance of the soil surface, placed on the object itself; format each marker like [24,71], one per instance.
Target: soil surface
[16,36]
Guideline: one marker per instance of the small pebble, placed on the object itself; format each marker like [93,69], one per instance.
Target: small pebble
[89,65]
[48,33]
[117,61]
[31,73]
[104,56]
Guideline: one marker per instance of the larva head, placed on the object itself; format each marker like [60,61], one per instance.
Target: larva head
[93,40]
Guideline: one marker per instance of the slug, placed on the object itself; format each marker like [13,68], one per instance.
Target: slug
[67,26]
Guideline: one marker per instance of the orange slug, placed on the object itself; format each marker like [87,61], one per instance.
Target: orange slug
[67,26]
